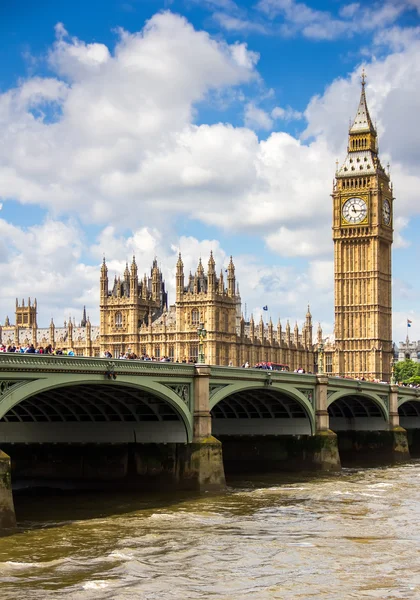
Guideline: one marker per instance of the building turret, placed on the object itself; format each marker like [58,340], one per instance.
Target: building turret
[231,279]
[26,316]
[319,334]
[221,289]
[126,280]
[288,337]
[7,322]
[242,326]
[308,329]
[134,281]
[296,335]
[200,269]
[261,329]
[270,332]
[104,280]
[211,275]
[179,278]
[362,134]
[155,282]
[279,332]
[251,328]
[83,321]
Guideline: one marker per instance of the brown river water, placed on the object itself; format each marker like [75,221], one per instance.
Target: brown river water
[355,534]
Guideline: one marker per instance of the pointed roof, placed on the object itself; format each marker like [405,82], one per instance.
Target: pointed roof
[104,268]
[231,268]
[200,268]
[211,263]
[179,264]
[133,266]
[362,121]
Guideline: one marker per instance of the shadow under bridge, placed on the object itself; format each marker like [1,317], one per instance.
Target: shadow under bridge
[93,413]
[262,411]
[356,412]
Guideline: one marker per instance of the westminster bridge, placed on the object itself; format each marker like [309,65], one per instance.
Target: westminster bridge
[142,423]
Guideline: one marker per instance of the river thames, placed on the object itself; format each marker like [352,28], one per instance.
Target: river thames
[355,534]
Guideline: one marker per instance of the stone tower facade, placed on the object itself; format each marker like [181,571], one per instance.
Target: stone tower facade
[25,315]
[131,304]
[363,234]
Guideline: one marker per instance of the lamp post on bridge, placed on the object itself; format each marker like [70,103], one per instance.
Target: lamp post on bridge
[321,358]
[202,333]
[393,363]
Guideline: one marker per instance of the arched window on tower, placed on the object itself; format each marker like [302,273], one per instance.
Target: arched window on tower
[195,317]
[118,319]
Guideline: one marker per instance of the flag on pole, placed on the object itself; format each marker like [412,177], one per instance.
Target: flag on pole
[265,307]
[409,323]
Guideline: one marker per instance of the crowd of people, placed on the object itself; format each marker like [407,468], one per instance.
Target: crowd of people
[30,349]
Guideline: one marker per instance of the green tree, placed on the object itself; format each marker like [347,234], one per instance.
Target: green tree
[405,370]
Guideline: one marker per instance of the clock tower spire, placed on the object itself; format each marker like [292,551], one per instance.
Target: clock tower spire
[363,234]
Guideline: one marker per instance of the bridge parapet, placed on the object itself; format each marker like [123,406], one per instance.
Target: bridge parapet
[51,363]
[235,373]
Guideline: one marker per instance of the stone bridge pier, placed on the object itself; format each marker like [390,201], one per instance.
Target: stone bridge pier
[205,452]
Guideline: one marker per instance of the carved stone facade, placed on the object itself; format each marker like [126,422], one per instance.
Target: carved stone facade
[363,234]
[135,318]
[82,338]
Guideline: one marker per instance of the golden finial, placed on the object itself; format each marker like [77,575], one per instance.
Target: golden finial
[363,77]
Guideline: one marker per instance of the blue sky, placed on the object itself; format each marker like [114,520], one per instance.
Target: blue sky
[154,126]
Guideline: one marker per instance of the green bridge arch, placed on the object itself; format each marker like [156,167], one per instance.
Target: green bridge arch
[25,389]
[376,399]
[286,389]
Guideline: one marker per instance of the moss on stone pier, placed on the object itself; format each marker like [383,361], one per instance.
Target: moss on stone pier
[7,511]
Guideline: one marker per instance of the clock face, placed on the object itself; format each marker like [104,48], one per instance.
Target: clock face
[354,210]
[386,212]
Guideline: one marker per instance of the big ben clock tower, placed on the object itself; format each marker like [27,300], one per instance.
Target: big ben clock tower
[362,233]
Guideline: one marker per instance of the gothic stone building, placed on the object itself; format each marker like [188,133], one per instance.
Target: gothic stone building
[82,338]
[135,318]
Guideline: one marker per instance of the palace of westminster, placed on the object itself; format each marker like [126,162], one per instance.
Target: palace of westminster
[135,316]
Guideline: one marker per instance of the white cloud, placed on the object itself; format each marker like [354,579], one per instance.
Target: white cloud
[353,19]
[256,118]
[231,23]
[45,261]
[123,143]
[397,38]
[300,242]
[286,114]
